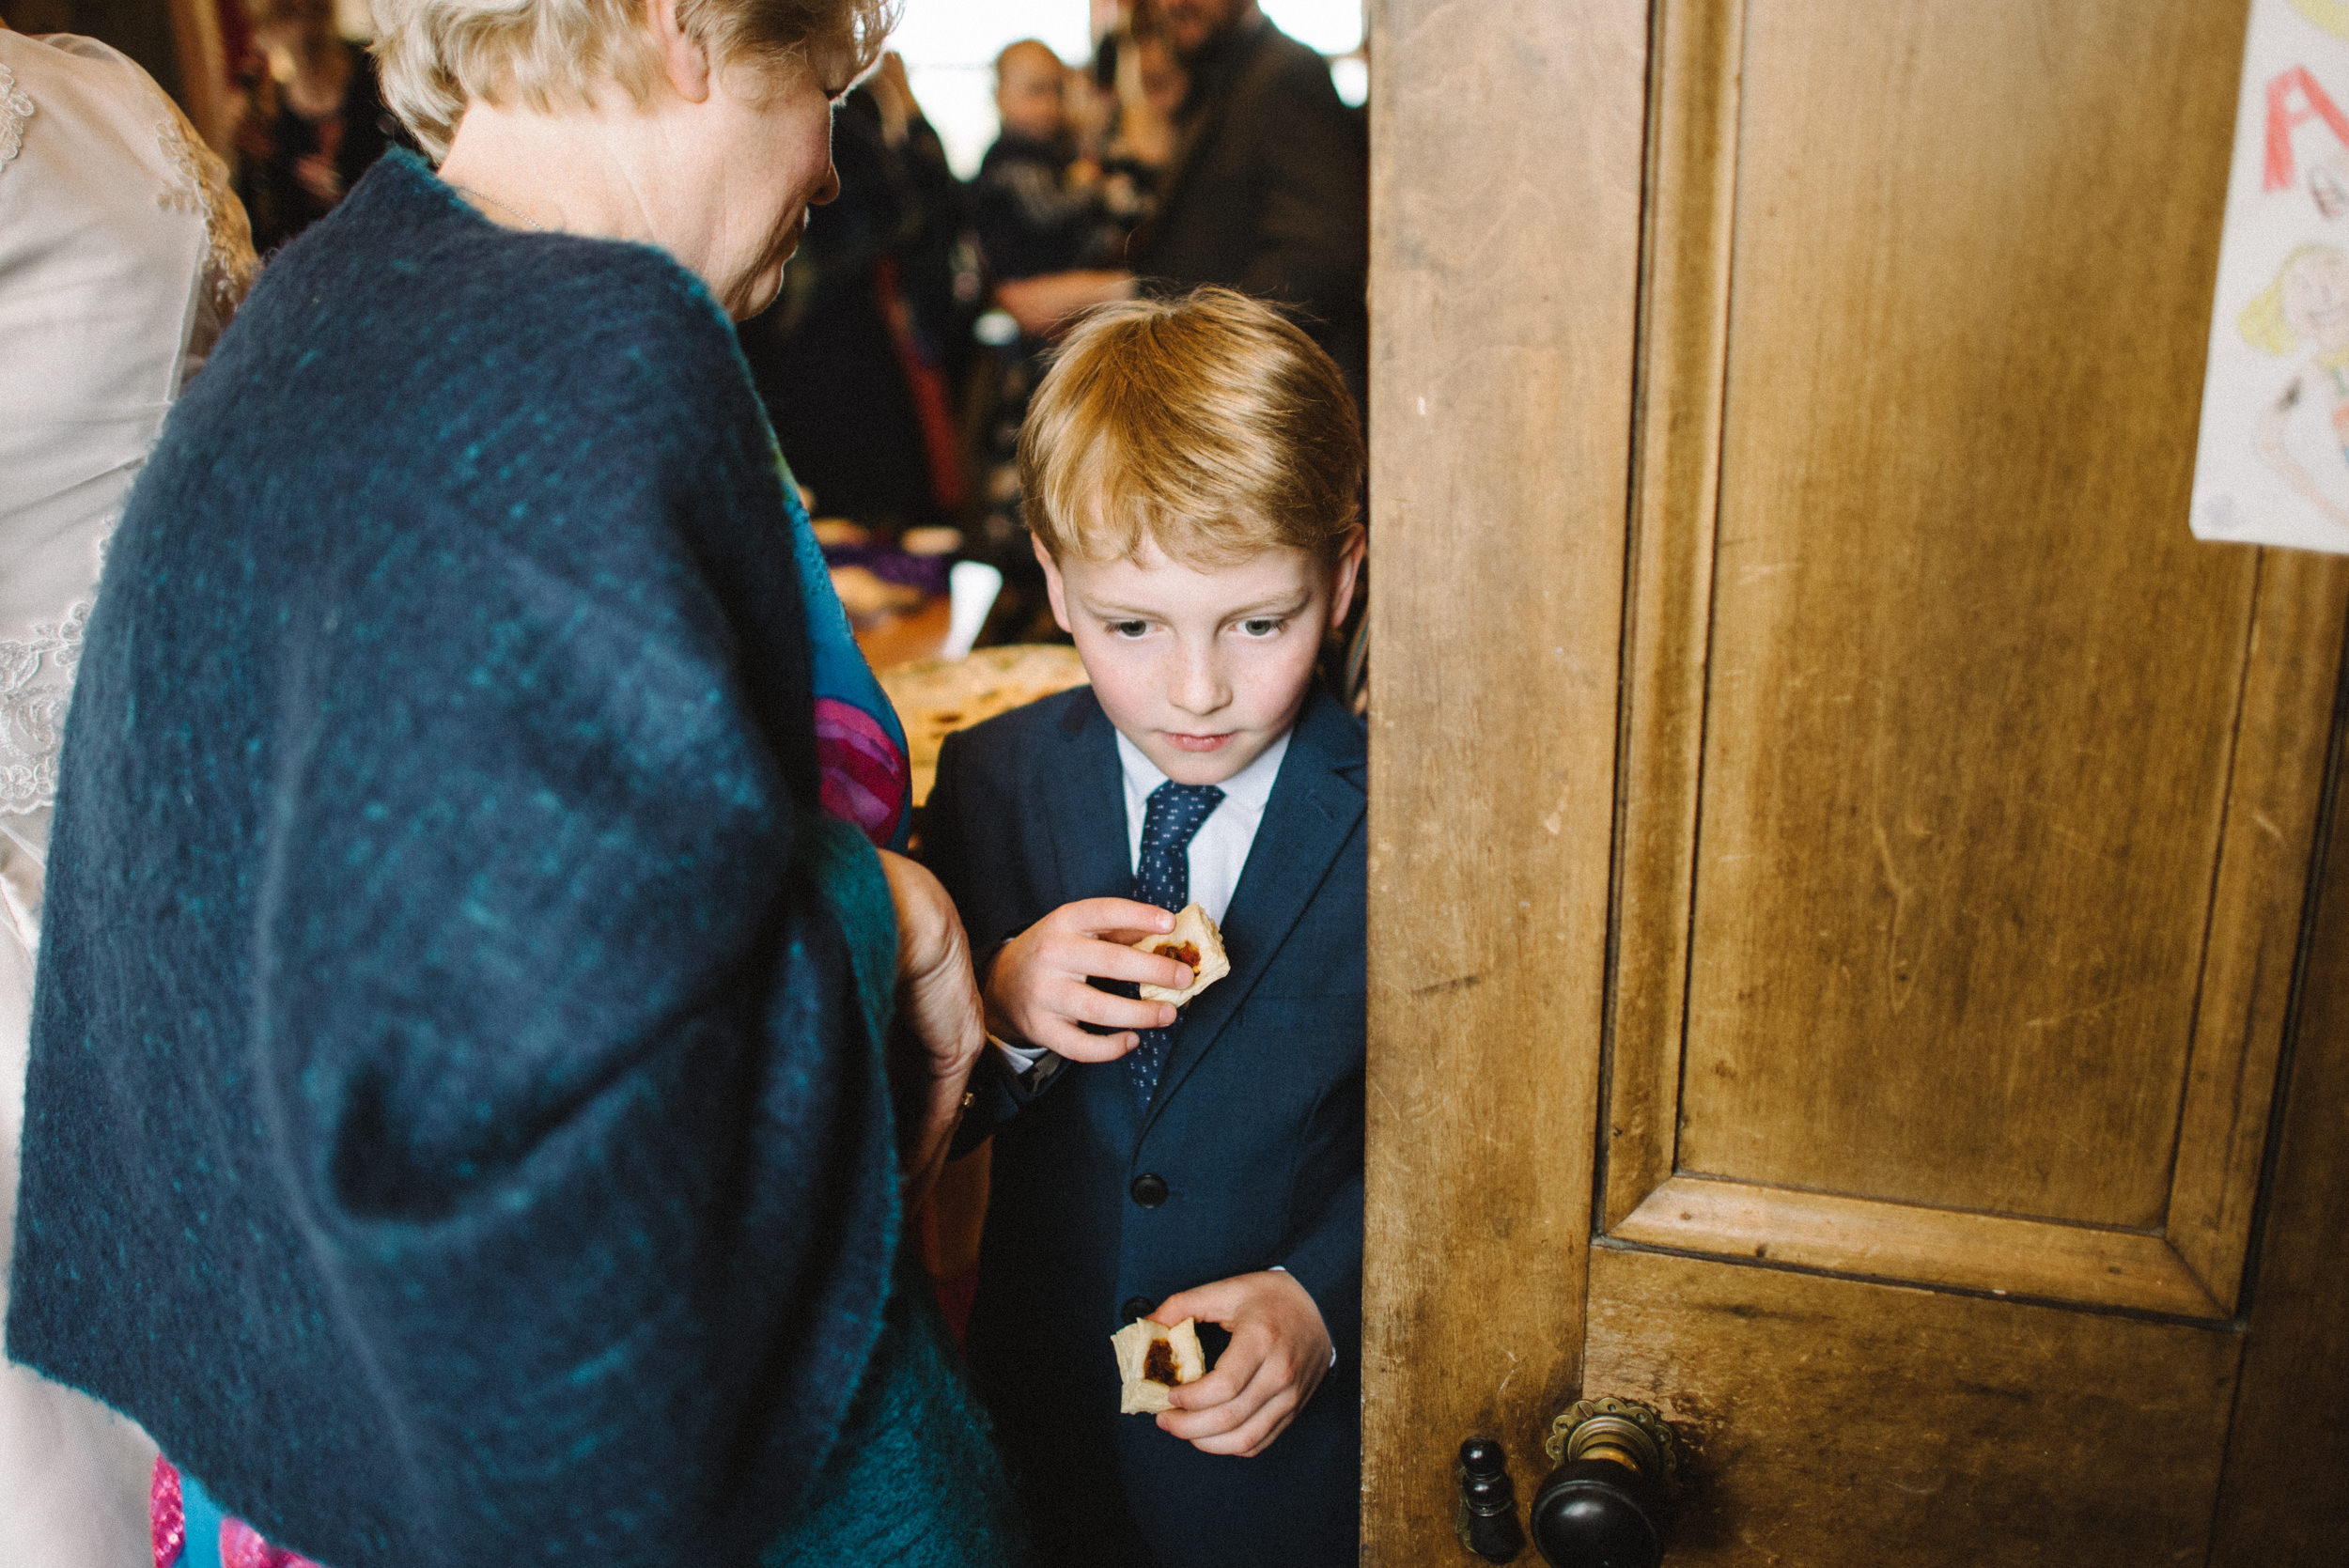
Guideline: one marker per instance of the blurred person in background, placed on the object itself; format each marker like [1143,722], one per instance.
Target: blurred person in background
[1039,213]
[313,120]
[1150,85]
[1036,202]
[1058,195]
[482,1065]
[856,358]
[1269,192]
[122,256]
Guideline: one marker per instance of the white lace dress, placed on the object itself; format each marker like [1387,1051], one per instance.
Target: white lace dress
[121,256]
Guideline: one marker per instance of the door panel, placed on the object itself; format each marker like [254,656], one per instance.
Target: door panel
[1499,469]
[1840,851]
[1981,786]
[1873,1424]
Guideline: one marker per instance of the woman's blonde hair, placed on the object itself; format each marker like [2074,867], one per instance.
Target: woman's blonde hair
[438,55]
[1207,424]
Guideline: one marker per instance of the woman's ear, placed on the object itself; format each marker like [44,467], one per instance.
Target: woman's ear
[683,60]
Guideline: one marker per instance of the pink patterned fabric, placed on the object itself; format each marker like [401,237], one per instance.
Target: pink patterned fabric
[242,1546]
[166,1521]
[864,774]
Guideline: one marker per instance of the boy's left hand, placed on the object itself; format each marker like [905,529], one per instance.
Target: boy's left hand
[1279,1353]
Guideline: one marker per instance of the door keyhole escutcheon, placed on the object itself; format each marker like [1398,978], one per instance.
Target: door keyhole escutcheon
[1617,1468]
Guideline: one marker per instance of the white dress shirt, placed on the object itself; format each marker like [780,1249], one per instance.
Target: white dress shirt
[1218,853]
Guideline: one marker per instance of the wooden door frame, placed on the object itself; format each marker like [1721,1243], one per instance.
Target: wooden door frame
[1510,154]
[2282,1493]
[1507,150]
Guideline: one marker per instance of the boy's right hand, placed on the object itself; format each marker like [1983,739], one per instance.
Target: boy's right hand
[1036,992]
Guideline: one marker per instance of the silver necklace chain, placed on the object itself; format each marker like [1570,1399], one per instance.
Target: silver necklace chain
[483,195]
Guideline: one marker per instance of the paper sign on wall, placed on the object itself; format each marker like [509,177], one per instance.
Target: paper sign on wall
[2272,466]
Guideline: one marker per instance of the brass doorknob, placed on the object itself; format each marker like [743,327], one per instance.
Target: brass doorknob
[1617,1468]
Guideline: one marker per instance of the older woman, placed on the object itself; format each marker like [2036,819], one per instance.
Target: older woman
[458,1126]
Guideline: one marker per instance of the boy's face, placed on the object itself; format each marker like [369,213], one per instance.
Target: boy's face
[1030,89]
[1202,669]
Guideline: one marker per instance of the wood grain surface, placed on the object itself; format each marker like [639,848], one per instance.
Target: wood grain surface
[1972,682]
[1837,1424]
[1684,340]
[1505,201]
[2285,1500]
[1873,1239]
[1782,449]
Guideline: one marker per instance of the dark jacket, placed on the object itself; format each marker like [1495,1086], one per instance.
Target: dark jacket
[1269,193]
[828,358]
[1028,222]
[1256,1133]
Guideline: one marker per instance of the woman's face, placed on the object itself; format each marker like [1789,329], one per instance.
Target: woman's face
[774,130]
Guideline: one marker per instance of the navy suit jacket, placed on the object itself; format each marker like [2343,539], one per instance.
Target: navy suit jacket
[1257,1131]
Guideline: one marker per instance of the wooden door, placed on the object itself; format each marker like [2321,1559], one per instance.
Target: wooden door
[1841,854]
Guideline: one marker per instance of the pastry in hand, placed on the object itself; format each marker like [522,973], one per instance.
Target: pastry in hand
[1153,1359]
[1194,941]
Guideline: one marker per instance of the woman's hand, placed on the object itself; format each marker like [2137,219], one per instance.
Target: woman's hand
[1039,992]
[1279,1353]
[938,1034]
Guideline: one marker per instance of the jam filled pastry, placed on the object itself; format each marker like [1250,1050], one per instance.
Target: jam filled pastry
[1153,1359]
[1194,941]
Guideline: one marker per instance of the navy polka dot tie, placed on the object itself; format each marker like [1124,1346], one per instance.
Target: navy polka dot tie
[1172,820]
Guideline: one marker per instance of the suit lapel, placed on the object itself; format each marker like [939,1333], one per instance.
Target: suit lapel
[1313,807]
[1084,796]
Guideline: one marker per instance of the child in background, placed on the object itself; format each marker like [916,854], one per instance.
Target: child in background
[1191,469]
[1037,210]
[1034,205]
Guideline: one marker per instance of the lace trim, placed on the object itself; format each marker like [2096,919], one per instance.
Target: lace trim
[35,683]
[203,188]
[15,109]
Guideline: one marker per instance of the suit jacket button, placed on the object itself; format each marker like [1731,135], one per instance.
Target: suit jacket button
[1136,1307]
[1149,1190]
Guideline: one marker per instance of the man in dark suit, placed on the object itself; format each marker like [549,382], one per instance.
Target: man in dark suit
[1202,1164]
[1269,191]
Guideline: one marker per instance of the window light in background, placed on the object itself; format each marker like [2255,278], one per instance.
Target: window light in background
[950,47]
[1332,26]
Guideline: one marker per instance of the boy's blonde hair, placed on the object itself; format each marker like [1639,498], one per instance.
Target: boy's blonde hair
[1208,425]
[439,55]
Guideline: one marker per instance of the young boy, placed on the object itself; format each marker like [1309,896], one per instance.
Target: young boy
[1191,470]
